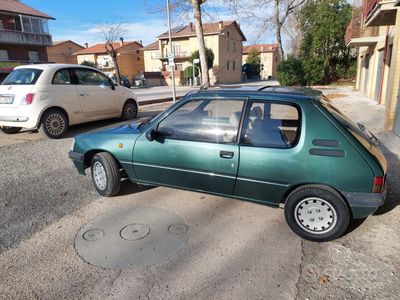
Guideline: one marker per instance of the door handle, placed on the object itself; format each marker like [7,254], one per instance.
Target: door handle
[226,154]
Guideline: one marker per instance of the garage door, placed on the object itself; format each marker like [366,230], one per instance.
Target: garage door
[397,115]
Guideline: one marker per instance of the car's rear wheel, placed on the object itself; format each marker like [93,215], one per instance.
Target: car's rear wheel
[54,124]
[317,213]
[129,111]
[105,174]
[10,130]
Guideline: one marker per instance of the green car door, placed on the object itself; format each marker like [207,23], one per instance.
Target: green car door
[194,147]
[269,151]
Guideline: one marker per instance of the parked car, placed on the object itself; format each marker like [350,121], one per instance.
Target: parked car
[277,146]
[51,97]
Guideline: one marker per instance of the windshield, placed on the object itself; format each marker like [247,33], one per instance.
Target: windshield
[22,77]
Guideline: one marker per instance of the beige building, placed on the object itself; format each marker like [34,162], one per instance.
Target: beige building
[374,32]
[129,58]
[269,56]
[63,52]
[224,38]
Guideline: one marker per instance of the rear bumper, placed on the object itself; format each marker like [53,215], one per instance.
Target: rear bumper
[22,116]
[364,204]
[78,160]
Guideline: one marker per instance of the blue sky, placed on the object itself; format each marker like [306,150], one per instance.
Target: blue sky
[75,20]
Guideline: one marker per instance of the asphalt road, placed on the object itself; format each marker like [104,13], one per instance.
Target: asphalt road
[236,250]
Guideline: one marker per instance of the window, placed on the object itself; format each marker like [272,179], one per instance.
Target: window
[234,46]
[211,121]
[227,49]
[36,25]
[90,77]
[233,65]
[4,55]
[1,25]
[26,23]
[271,124]
[178,67]
[61,77]
[227,65]
[33,56]
[22,76]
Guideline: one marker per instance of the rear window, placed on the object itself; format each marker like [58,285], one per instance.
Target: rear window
[22,77]
[357,130]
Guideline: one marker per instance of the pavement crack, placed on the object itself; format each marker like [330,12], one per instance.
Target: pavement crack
[297,285]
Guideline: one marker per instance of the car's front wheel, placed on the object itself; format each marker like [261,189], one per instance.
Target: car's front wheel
[10,130]
[105,174]
[129,111]
[317,213]
[54,124]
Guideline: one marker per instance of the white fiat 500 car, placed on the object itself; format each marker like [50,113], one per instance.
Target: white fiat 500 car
[51,97]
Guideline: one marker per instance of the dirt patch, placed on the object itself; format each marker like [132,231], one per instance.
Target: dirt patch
[335,96]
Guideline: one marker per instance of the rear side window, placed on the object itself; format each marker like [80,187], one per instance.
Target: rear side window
[61,77]
[23,76]
[271,125]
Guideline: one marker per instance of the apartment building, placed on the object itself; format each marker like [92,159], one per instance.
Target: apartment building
[269,56]
[129,58]
[63,52]
[24,35]
[224,38]
[374,32]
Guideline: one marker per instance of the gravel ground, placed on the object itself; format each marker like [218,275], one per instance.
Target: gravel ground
[236,250]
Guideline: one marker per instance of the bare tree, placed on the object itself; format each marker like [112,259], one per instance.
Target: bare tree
[111,32]
[269,14]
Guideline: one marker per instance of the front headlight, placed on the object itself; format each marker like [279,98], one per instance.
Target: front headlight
[73,145]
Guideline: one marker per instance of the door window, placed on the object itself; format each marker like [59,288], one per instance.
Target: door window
[91,77]
[212,121]
[269,124]
[61,77]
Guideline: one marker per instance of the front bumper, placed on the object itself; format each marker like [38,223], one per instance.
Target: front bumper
[78,159]
[364,204]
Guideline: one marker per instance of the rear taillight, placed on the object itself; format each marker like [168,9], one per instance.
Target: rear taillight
[378,184]
[28,99]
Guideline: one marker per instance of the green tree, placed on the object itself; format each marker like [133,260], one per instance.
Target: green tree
[323,24]
[209,57]
[188,72]
[253,62]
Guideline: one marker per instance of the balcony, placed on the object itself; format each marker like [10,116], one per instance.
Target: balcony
[379,12]
[25,38]
[180,55]
[358,35]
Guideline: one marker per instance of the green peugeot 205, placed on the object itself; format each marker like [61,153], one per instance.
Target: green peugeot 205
[276,146]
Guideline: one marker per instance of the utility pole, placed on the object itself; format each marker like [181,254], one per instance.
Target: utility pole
[171,54]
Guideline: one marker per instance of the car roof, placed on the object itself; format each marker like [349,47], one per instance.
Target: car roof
[272,90]
[52,66]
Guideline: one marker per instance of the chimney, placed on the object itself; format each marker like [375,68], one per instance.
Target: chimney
[121,41]
[86,45]
[140,42]
[220,23]
[191,26]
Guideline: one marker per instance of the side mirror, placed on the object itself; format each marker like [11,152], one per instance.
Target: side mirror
[151,135]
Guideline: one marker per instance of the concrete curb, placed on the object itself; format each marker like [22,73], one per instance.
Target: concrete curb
[155,101]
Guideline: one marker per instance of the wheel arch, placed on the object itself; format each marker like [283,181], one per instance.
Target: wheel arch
[297,187]
[88,156]
[63,110]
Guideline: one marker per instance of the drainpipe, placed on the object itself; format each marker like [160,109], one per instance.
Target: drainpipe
[385,52]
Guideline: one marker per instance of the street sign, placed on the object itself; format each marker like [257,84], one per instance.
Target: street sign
[196,61]
[171,59]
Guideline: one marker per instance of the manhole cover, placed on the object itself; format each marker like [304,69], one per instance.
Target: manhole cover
[132,238]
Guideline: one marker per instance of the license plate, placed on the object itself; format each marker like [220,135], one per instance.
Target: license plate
[6,99]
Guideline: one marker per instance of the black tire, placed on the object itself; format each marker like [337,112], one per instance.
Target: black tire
[129,111]
[54,124]
[10,130]
[112,184]
[319,206]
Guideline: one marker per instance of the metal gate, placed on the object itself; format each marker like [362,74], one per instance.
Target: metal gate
[396,126]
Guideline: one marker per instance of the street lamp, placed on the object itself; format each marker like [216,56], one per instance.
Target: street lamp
[171,54]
